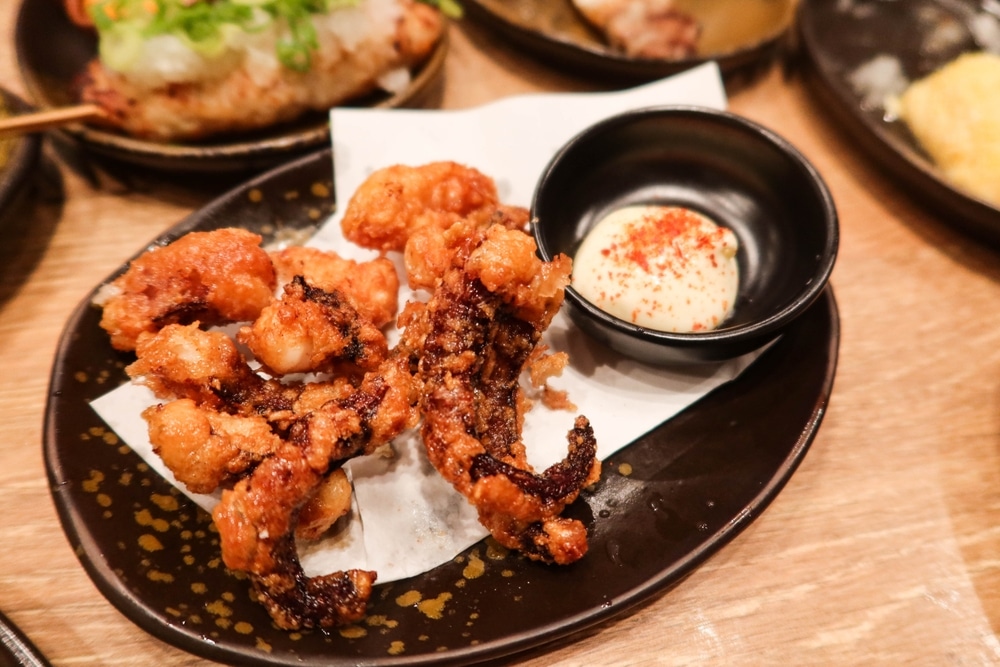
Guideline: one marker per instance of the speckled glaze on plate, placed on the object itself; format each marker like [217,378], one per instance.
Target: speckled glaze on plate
[737,34]
[664,504]
[923,35]
[19,156]
[52,52]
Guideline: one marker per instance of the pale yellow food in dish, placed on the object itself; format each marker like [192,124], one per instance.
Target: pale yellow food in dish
[955,115]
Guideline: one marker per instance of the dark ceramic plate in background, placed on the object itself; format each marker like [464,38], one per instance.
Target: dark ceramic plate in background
[19,155]
[837,38]
[52,51]
[692,484]
[736,34]
[16,650]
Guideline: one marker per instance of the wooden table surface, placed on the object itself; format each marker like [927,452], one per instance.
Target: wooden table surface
[884,548]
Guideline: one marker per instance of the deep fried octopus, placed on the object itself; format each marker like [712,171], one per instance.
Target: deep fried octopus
[205,448]
[476,334]
[372,287]
[257,517]
[283,440]
[218,276]
[312,330]
[280,443]
[396,201]
[426,212]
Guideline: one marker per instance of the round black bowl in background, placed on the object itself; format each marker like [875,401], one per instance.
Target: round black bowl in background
[736,172]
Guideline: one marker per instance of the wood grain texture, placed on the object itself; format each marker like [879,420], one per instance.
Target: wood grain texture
[882,549]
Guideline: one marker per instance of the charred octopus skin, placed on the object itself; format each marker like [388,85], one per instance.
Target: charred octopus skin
[476,345]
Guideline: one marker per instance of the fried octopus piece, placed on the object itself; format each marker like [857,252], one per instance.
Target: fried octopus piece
[204,448]
[328,503]
[426,212]
[257,517]
[431,251]
[474,337]
[256,522]
[214,277]
[359,49]
[283,440]
[644,28]
[184,361]
[396,201]
[372,287]
[311,330]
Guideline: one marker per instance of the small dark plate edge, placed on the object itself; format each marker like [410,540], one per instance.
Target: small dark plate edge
[898,159]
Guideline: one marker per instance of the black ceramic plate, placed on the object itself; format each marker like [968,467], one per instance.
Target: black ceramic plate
[18,155]
[736,33]
[16,650]
[52,52]
[664,505]
[839,37]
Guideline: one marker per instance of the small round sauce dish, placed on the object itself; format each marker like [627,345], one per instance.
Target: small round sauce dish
[690,195]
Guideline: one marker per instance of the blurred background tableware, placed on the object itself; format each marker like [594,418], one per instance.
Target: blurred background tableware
[738,34]
[16,650]
[740,175]
[858,56]
[19,155]
[52,52]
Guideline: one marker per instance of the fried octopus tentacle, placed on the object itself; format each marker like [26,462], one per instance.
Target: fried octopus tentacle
[283,439]
[256,522]
[258,516]
[475,347]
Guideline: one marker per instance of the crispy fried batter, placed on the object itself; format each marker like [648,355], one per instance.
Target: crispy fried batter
[427,212]
[372,287]
[204,448]
[257,517]
[313,330]
[256,522]
[281,440]
[330,501]
[184,361]
[219,276]
[396,201]
[275,445]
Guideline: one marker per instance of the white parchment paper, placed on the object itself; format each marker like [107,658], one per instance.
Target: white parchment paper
[406,519]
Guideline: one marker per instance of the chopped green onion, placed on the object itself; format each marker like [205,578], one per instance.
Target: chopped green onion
[206,25]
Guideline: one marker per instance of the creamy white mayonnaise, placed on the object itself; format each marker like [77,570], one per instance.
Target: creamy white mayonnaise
[663,267]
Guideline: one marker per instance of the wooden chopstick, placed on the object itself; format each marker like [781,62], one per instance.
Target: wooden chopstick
[43,120]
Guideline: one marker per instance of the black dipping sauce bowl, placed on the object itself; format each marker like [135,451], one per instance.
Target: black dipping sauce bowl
[732,170]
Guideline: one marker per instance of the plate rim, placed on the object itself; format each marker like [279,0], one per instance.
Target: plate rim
[186,639]
[899,158]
